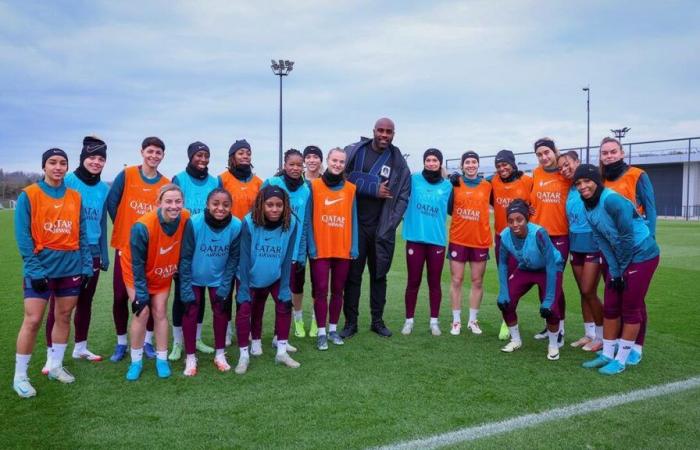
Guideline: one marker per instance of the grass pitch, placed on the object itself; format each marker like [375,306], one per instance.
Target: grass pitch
[371,391]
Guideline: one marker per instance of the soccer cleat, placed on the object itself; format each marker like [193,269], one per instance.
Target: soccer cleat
[290,347]
[313,329]
[23,387]
[176,352]
[45,369]
[612,368]
[542,335]
[134,372]
[87,355]
[256,348]
[473,325]
[221,364]
[407,328]
[593,346]
[511,346]
[62,375]
[456,328]
[149,351]
[119,353]
[299,328]
[204,348]
[560,339]
[581,342]
[335,338]
[504,333]
[435,329]
[553,353]
[634,358]
[322,342]
[599,361]
[163,368]
[242,366]
[348,331]
[190,368]
[287,360]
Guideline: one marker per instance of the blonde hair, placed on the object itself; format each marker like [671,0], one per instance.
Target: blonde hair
[167,188]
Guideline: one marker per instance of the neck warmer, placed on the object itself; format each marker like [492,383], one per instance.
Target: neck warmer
[241,172]
[613,171]
[292,183]
[197,173]
[214,223]
[514,175]
[330,179]
[432,176]
[592,202]
[272,225]
[85,176]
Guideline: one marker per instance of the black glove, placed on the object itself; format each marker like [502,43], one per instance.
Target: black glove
[545,312]
[84,281]
[40,285]
[299,267]
[139,305]
[617,283]
[503,306]
[454,178]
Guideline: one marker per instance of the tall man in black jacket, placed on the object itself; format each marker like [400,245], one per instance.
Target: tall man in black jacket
[383,182]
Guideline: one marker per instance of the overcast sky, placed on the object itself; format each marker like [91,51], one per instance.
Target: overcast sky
[480,75]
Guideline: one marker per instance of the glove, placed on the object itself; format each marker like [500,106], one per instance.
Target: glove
[618,284]
[84,281]
[454,178]
[139,305]
[299,267]
[223,301]
[545,312]
[503,306]
[40,285]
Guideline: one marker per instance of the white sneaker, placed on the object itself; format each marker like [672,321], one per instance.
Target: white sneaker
[407,328]
[221,363]
[473,325]
[542,335]
[190,368]
[62,375]
[86,354]
[242,366]
[581,342]
[23,387]
[290,347]
[456,328]
[287,360]
[512,346]
[435,329]
[593,346]
[256,348]
[553,353]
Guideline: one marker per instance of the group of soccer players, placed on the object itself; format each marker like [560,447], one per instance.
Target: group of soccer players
[240,240]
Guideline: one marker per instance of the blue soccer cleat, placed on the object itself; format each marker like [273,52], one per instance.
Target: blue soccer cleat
[599,361]
[149,351]
[119,353]
[163,368]
[612,368]
[134,372]
[634,358]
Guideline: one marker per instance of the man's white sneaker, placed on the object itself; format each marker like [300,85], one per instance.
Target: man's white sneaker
[473,325]
[23,387]
[456,328]
[242,366]
[512,346]
[62,375]
[553,353]
[435,329]
[287,360]
[407,328]
[87,354]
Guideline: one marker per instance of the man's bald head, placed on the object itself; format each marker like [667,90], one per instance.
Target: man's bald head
[383,133]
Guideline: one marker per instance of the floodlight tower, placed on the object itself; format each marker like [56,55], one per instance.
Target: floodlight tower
[281,68]
[587,90]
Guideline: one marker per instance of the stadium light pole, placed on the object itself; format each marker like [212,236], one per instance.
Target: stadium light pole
[619,134]
[587,90]
[281,68]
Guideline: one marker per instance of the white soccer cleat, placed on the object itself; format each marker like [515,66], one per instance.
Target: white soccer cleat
[287,360]
[542,335]
[45,369]
[23,387]
[435,329]
[456,328]
[593,346]
[511,346]
[62,375]
[221,364]
[407,328]
[473,325]
[87,355]
[256,348]
[290,347]
[242,366]
[553,353]
[190,368]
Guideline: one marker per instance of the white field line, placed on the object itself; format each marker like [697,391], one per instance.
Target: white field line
[531,420]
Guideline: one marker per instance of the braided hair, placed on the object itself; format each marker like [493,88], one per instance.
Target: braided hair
[258,211]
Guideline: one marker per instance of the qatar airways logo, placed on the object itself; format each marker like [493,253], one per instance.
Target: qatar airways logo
[427,210]
[468,214]
[504,202]
[140,208]
[59,226]
[214,250]
[91,213]
[333,221]
[549,197]
[167,271]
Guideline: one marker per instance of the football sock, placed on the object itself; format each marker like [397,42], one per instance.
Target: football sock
[162,355]
[472,314]
[456,313]
[149,337]
[322,331]
[589,328]
[57,352]
[177,335]
[553,338]
[515,333]
[332,327]
[136,354]
[624,350]
[298,315]
[121,339]
[609,348]
[21,365]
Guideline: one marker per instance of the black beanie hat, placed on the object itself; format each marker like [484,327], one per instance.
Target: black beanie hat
[239,144]
[518,206]
[196,147]
[272,191]
[469,154]
[588,171]
[313,150]
[506,156]
[545,142]
[92,146]
[433,152]
[52,152]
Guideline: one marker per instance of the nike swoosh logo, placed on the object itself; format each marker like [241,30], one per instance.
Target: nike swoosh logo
[58,206]
[440,251]
[632,271]
[76,278]
[559,243]
[166,250]
[332,202]
[482,255]
[215,240]
[545,183]
[147,190]
[22,390]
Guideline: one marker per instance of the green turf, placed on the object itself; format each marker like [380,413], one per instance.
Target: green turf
[372,391]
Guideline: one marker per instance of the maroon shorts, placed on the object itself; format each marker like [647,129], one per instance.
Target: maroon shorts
[58,287]
[462,254]
[579,259]
[630,303]
[297,278]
